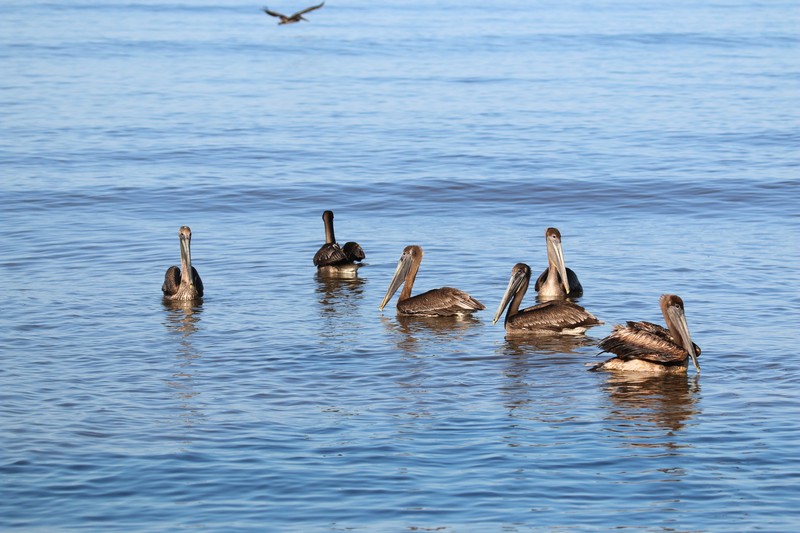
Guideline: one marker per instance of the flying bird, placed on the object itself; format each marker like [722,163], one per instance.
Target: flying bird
[291,19]
[184,283]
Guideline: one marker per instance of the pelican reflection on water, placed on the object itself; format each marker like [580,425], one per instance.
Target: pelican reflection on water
[647,347]
[184,283]
[557,281]
[445,301]
[554,345]
[550,317]
[334,259]
[666,400]
[339,296]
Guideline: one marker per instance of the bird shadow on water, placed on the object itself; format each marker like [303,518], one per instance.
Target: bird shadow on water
[182,320]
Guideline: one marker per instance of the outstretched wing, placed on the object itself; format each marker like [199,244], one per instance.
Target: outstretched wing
[272,13]
[308,9]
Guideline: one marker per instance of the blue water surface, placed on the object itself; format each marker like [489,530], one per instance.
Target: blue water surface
[660,138]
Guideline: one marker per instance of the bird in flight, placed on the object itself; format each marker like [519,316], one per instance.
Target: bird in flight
[291,19]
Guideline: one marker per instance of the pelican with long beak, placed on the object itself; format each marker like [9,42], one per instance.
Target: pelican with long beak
[648,347]
[557,281]
[184,283]
[445,301]
[547,318]
[333,258]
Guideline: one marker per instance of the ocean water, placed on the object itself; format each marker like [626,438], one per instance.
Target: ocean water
[660,138]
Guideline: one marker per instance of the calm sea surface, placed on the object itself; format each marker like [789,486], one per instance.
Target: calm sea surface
[661,138]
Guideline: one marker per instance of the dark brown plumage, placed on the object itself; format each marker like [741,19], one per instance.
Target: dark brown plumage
[353,251]
[550,317]
[331,255]
[445,301]
[644,346]
[178,284]
[291,19]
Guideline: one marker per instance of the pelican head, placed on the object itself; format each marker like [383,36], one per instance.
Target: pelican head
[675,317]
[520,277]
[405,272]
[555,256]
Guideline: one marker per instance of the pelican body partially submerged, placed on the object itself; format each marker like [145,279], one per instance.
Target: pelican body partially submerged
[331,257]
[445,301]
[547,318]
[183,283]
[647,347]
[557,281]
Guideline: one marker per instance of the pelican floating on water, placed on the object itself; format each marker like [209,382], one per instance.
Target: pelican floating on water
[648,347]
[291,19]
[184,283]
[445,301]
[550,317]
[333,258]
[557,281]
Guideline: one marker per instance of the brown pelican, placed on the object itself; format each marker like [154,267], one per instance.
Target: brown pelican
[333,258]
[436,302]
[648,347]
[291,19]
[557,281]
[551,317]
[183,283]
